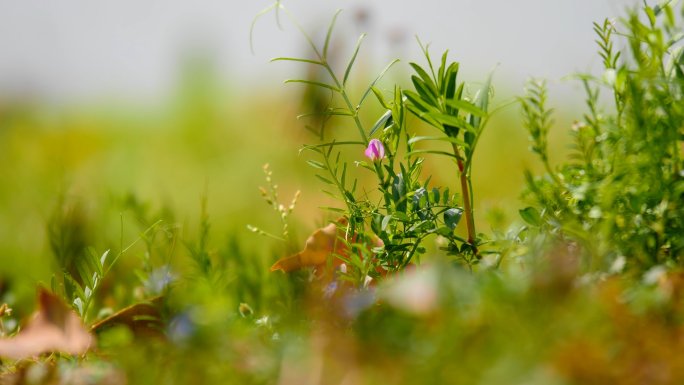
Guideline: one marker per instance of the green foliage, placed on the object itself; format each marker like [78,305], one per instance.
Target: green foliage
[82,268]
[409,209]
[621,192]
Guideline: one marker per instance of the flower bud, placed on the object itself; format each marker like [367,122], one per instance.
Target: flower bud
[375,150]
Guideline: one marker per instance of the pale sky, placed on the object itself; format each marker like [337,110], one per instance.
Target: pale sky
[77,50]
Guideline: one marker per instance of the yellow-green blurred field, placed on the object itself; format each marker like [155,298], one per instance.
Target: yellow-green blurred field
[137,246]
[205,142]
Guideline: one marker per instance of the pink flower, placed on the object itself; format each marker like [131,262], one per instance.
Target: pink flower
[375,150]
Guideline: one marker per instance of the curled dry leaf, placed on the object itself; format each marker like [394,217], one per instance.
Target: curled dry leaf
[54,327]
[319,246]
[142,319]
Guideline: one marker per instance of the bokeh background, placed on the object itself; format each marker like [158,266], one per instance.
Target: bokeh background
[112,109]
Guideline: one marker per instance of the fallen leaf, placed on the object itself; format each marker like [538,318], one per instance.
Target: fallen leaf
[54,327]
[318,247]
[143,319]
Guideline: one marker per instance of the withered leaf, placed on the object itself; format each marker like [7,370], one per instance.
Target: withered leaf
[54,327]
[322,243]
[143,319]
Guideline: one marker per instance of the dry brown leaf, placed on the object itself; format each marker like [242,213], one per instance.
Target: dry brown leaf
[319,246]
[143,319]
[54,327]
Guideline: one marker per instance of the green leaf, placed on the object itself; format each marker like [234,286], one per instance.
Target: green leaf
[531,216]
[651,14]
[434,152]
[382,73]
[444,231]
[385,222]
[331,194]
[353,59]
[335,112]
[450,120]
[381,122]
[316,164]
[424,92]
[449,139]
[343,178]
[297,59]
[441,71]
[325,180]
[425,77]
[399,192]
[418,102]
[482,100]
[400,216]
[82,266]
[452,217]
[93,260]
[329,33]
[424,117]
[466,106]
[450,82]
[435,195]
[381,98]
[313,83]
[103,258]
[72,288]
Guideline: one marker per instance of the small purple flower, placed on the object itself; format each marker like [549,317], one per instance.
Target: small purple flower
[375,150]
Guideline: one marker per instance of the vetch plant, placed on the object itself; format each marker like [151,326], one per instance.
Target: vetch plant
[408,209]
[621,194]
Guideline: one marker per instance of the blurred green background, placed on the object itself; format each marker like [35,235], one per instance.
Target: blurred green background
[116,115]
[113,106]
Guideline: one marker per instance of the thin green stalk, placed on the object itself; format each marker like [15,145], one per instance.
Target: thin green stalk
[340,87]
[342,91]
[122,252]
[467,204]
[553,175]
[413,250]
[337,183]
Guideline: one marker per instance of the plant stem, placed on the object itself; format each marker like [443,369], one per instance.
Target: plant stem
[552,174]
[413,251]
[343,92]
[465,190]
[328,166]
